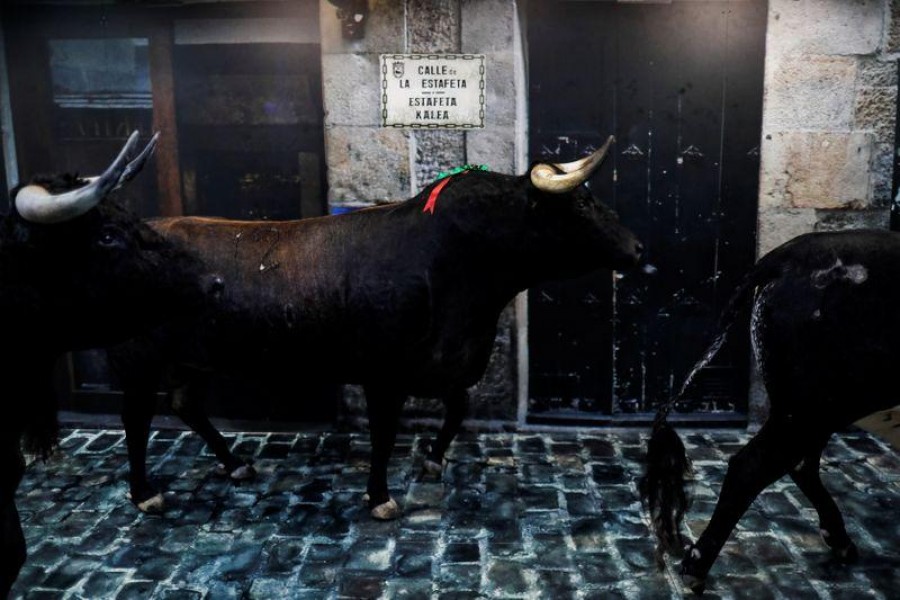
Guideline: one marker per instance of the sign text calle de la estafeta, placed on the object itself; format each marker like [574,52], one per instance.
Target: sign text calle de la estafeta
[432,90]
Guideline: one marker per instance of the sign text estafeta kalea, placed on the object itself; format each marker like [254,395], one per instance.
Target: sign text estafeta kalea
[432,90]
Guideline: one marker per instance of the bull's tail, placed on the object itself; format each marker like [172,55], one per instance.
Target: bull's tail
[667,470]
[41,426]
[663,487]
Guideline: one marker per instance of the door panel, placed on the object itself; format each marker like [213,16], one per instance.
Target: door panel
[680,85]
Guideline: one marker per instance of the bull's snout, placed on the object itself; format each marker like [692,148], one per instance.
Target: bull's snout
[634,251]
[629,252]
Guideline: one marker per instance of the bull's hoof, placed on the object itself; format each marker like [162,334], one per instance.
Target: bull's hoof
[242,473]
[692,576]
[431,468]
[388,511]
[697,585]
[848,555]
[153,505]
[844,550]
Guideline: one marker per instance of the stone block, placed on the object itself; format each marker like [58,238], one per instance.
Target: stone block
[460,577]
[824,27]
[494,147]
[500,89]
[553,551]
[370,555]
[557,585]
[461,552]
[414,559]
[367,164]
[507,578]
[810,92]
[487,26]
[598,569]
[385,29]
[433,26]
[136,590]
[876,111]
[408,589]
[351,87]
[892,35]
[876,72]
[266,588]
[103,584]
[836,220]
[882,174]
[435,151]
[815,170]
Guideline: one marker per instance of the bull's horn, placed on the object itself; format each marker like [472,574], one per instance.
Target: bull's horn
[547,177]
[38,205]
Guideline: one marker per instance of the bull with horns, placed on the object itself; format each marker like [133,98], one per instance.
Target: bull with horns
[406,296]
[403,299]
[824,331]
[76,271]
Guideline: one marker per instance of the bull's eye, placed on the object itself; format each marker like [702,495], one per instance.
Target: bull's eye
[110,238]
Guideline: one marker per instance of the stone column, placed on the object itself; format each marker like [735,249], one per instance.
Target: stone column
[370,163]
[433,26]
[828,122]
[829,114]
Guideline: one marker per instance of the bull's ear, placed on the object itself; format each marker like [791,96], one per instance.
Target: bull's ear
[559,178]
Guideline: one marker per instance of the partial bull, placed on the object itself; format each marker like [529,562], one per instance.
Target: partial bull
[403,299]
[825,331]
[76,271]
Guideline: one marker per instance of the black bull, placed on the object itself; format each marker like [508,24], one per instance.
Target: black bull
[76,271]
[403,299]
[824,327]
[406,298]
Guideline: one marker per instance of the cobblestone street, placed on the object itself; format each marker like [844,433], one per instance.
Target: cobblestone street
[516,516]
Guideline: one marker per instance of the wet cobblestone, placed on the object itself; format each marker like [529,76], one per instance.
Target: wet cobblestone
[515,516]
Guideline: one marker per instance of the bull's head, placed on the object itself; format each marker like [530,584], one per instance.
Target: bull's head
[93,273]
[587,230]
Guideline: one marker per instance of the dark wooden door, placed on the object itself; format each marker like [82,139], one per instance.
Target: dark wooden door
[680,85]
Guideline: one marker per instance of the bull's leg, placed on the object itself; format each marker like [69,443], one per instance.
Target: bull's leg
[775,449]
[187,402]
[12,544]
[831,523]
[456,405]
[383,408]
[138,408]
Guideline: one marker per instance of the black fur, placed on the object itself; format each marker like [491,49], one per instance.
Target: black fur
[399,299]
[664,486]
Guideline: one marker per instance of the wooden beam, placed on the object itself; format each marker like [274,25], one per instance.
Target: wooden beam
[162,80]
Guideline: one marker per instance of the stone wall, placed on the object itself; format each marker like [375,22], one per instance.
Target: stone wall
[828,122]
[368,163]
[827,139]
[829,117]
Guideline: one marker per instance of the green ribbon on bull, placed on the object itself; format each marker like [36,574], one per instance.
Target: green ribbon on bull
[457,170]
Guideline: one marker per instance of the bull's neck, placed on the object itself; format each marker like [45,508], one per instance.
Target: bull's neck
[489,251]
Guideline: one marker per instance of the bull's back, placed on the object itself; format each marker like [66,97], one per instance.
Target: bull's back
[306,294]
[828,324]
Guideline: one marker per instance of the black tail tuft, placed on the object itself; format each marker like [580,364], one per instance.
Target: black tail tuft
[663,487]
[41,432]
